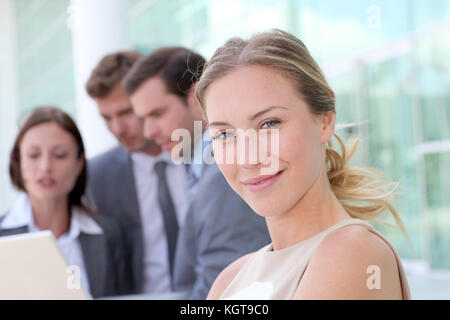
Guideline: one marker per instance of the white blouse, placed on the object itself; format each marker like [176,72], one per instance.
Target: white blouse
[21,215]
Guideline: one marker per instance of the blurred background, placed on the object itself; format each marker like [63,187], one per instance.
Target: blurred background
[388,62]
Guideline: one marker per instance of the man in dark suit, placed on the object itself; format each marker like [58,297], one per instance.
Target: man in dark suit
[124,184]
[219,227]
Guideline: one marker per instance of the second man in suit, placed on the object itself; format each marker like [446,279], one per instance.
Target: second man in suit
[134,181]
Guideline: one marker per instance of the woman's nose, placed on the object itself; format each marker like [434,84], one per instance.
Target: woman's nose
[259,151]
[247,150]
[45,163]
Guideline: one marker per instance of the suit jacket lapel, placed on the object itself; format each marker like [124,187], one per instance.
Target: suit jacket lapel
[94,256]
[12,232]
[127,187]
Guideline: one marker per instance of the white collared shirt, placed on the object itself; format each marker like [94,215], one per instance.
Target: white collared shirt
[156,261]
[21,215]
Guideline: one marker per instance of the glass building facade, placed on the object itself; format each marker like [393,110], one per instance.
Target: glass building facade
[45,62]
[386,60]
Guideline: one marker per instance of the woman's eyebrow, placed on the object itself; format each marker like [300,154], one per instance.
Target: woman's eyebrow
[260,113]
[218,124]
[251,118]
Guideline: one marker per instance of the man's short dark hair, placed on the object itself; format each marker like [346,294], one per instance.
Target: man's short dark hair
[177,66]
[110,71]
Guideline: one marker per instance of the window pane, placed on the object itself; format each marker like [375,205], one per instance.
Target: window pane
[438,191]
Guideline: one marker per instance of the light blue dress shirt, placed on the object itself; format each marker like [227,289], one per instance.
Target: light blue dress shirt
[202,150]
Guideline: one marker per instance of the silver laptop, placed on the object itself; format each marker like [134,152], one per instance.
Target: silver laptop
[33,267]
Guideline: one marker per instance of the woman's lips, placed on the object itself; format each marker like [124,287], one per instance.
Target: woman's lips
[262,182]
[46,182]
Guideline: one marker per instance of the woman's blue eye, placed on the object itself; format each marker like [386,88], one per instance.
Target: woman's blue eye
[222,135]
[270,123]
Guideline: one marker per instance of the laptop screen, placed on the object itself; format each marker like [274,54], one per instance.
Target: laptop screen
[33,267]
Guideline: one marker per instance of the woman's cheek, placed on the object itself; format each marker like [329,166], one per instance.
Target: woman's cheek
[290,148]
[68,176]
[26,171]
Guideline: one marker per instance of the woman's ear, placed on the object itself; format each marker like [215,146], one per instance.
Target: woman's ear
[327,125]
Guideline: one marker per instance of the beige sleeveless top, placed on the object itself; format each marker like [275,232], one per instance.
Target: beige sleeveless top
[276,274]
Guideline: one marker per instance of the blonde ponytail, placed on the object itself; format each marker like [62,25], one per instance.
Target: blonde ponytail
[365,193]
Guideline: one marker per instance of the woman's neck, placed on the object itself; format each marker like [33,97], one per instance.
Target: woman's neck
[316,211]
[51,215]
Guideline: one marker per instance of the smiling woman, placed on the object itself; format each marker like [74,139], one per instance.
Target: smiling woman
[314,203]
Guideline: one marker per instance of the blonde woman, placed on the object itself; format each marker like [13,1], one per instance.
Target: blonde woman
[314,203]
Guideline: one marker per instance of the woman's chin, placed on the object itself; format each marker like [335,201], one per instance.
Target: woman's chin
[267,210]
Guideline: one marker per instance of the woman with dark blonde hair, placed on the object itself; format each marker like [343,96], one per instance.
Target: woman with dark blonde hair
[314,202]
[48,165]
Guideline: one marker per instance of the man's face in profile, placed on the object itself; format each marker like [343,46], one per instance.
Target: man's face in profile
[162,111]
[120,119]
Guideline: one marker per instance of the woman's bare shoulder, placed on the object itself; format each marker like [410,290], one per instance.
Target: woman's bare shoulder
[351,263]
[226,276]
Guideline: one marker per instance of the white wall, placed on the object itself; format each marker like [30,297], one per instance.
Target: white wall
[99,27]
